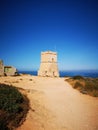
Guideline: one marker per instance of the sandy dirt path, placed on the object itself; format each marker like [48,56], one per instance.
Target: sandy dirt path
[55,105]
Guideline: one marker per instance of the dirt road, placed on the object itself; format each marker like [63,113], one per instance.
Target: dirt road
[55,105]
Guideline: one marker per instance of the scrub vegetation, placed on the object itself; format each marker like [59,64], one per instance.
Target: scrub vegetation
[85,85]
[13,107]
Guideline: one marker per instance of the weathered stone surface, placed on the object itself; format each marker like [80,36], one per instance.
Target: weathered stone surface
[1,68]
[9,70]
[48,66]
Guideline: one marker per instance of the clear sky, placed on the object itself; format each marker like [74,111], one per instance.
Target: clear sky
[69,27]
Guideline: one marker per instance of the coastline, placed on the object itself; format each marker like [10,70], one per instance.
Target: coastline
[69,73]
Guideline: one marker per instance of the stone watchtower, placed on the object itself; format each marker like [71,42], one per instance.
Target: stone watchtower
[48,66]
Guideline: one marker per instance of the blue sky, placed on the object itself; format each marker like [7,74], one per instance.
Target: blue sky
[69,27]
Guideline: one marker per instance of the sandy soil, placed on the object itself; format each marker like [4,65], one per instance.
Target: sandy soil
[55,105]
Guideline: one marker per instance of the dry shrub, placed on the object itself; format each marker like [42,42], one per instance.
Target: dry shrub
[85,85]
[77,77]
[78,85]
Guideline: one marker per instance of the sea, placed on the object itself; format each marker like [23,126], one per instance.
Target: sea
[71,73]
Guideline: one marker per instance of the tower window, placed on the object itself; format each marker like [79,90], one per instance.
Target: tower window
[52,59]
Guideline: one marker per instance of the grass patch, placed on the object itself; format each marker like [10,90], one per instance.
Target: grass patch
[85,85]
[13,107]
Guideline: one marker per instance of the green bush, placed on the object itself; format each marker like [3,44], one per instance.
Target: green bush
[10,98]
[13,107]
[3,121]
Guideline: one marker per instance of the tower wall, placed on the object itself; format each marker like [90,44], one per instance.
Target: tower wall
[1,68]
[48,66]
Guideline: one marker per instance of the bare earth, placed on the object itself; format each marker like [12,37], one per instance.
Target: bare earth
[55,105]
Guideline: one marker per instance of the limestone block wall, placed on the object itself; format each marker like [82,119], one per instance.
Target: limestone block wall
[48,65]
[1,68]
[9,70]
